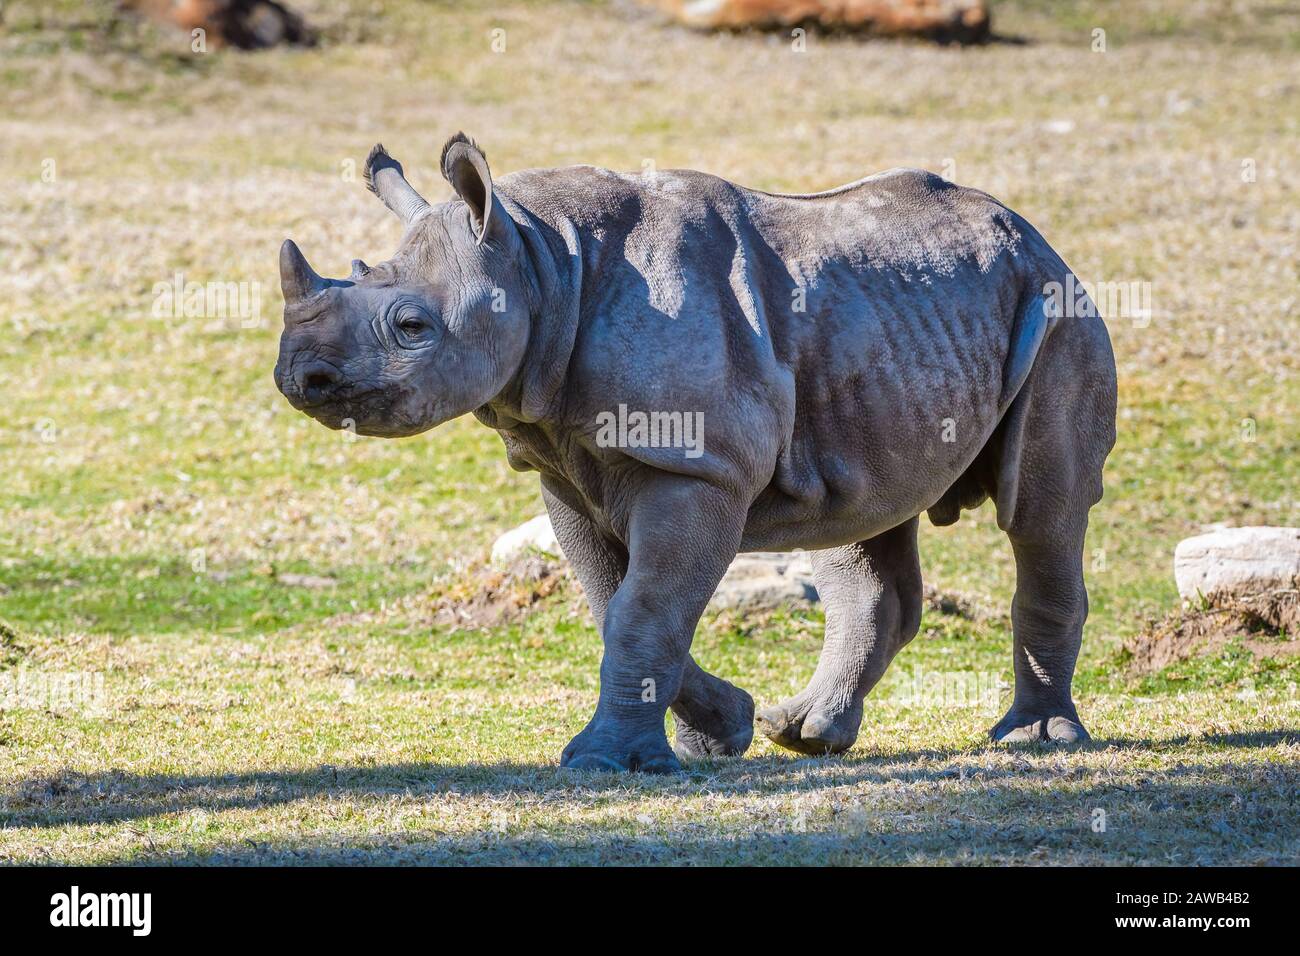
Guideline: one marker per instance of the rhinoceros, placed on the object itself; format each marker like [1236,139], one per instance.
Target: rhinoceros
[848,360]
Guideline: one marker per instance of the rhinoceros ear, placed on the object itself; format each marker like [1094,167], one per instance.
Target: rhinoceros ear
[298,279]
[384,178]
[466,168]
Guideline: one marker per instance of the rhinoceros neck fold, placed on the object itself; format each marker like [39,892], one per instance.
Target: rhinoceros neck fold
[553,268]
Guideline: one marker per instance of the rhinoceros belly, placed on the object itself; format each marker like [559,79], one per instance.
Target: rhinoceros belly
[893,403]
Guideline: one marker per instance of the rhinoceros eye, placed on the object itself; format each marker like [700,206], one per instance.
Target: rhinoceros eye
[413,326]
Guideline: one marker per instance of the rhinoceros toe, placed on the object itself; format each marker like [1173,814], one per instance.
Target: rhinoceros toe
[1019,727]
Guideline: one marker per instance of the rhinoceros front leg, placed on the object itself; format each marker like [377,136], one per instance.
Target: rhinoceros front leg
[872,595]
[712,717]
[682,534]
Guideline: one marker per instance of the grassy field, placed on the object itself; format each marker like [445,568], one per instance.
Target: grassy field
[250,598]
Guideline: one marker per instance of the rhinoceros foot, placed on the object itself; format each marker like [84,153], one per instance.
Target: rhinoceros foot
[604,746]
[1023,726]
[808,724]
[721,725]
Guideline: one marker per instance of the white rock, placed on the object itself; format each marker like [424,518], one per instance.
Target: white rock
[533,535]
[1250,559]
[753,582]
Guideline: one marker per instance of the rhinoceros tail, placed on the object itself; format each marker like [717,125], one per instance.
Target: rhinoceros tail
[995,472]
[1061,420]
[1057,407]
[1035,320]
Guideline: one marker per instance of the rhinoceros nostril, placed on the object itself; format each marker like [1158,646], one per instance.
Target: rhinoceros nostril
[317,378]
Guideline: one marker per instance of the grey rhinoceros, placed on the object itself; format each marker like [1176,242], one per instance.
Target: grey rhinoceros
[849,359]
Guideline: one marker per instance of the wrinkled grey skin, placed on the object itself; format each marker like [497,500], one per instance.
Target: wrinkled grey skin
[859,356]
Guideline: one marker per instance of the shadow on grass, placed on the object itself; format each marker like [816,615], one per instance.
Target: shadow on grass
[111,797]
[1252,739]
[1166,820]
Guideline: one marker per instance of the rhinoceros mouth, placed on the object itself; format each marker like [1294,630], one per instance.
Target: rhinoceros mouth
[340,395]
[302,406]
[353,411]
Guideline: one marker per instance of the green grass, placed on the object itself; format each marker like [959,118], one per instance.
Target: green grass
[157,496]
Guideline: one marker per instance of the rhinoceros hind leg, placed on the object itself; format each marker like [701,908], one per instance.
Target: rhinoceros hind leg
[1067,418]
[872,595]
[1047,616]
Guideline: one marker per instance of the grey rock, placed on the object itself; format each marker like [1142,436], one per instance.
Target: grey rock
[766,580]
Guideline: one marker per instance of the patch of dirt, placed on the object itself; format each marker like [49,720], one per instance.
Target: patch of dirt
[12,648]
[1268,621]
[960,605]
[488,596]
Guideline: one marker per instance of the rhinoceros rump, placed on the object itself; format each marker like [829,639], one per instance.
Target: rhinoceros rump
[854,357]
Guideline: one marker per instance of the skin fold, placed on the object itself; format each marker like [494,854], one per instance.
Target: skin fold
[852,358]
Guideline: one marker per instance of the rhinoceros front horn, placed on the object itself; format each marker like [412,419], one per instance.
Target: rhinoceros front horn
[298,279]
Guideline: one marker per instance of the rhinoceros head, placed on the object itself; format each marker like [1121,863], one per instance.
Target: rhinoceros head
[434,332]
